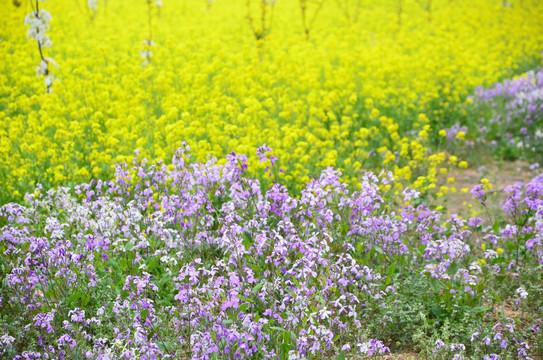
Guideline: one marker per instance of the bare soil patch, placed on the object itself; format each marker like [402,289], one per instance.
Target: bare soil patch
[500,176]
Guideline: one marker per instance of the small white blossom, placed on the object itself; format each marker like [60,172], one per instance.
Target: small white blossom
[41,69]
[38,24]
[44,66]
[93,4]
[48,80]
[522,293]
[146,54]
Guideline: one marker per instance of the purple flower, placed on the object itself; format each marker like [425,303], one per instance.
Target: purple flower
[478,193]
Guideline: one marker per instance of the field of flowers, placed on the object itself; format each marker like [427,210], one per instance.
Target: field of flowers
[197,260]
[211,179]
[355,94]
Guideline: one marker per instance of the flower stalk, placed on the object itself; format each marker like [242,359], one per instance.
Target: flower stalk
[38,24]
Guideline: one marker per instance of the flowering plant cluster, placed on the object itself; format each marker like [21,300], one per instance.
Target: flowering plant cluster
[199,260]
[358,94]
[513,116]
[38,24]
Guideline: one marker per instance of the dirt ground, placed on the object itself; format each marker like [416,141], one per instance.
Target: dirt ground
[404,356]
[499,175]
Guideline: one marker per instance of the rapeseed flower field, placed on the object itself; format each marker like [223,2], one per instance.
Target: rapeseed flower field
[271,179]
[360,85]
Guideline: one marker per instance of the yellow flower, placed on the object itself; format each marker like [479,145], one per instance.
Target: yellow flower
[461,135]
[423,134]
[422,118]
[235,92]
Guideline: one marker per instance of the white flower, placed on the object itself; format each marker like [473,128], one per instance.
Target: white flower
[41,69]
[158,3]
[522,293]
[293,355]
[410,194]
[38,24]
[146,54]
[93,4]
[48,80]
[51,61]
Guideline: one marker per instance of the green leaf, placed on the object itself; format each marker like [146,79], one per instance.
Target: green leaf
[434,283]
[285,348]
[320,299]
[165,279]
[143,315]
[86,299]
[129,246]
[247,244]
[257,287]
[340,356]
[480,309]
[291,293]
[360,248]
[286,339]
[496,227]
[123,264]
[391,269]
[151,263]
[378,249]
[453,269]
[73,298]
[438,312]
[277,328]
